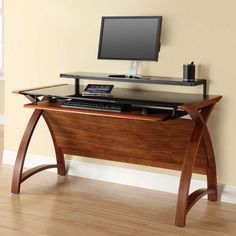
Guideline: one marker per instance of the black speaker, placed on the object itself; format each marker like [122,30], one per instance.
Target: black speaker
[189,72]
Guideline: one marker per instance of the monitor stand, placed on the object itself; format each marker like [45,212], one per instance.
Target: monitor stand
[132,73]
[133,69]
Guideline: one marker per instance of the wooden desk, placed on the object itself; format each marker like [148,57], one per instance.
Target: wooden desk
[132,137]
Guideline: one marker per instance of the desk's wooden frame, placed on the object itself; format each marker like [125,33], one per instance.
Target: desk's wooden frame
[195,154]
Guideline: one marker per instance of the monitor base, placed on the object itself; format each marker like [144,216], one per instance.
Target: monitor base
[125,76]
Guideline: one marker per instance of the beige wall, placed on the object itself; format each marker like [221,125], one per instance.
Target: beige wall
[44,38]
[1,97]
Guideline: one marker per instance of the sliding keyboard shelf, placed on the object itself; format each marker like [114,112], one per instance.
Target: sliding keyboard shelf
[143,79]
[160,115]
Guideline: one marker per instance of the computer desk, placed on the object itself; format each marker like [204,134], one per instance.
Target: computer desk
[158,139]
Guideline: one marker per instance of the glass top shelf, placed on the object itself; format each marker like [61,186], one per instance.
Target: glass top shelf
[141,79]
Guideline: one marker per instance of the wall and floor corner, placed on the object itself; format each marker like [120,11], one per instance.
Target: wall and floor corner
[62,36]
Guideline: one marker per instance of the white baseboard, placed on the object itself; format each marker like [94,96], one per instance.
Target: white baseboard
[1,119]
[137,178]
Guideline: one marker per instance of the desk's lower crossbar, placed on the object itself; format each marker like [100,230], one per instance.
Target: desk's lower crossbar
[196,195]
[35,170]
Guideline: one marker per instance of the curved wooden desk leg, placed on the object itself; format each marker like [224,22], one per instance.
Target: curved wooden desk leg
[211,168]
[61,169]
[190,156]
[17,174]
[186,201]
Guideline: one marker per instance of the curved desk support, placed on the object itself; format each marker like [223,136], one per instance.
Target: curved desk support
[18,175]
[178,144]
[200,131]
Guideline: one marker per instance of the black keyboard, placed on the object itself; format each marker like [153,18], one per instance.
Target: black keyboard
[98,106]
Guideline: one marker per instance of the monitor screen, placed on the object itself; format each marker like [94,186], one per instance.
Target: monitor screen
[130,38]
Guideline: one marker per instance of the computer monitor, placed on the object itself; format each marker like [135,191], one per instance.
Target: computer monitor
[135,38]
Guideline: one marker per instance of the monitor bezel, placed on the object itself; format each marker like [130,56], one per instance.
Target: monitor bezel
[158,37]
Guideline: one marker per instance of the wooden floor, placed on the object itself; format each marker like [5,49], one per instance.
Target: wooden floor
[64,206]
